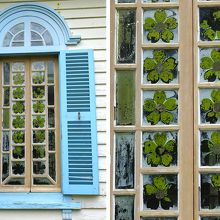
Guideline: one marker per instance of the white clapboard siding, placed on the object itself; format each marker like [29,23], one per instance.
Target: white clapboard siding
[87,19]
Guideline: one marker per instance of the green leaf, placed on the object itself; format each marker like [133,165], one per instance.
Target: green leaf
[166,76]
[149,147]
[160,15]
[167,36]
[215,55]
[149,105]
[218,34]
[150,189]
[153,118]
[166,159]
[209,74]
[204,24]
[210,34]
[216,180]
[149,24]
[171,23]
[153,159]
[159,55]
[216,95]
[159,97]
[170,145]
[167,199]
[216,15]
[206,63]
[153,36]
[160,182]
[206,105]
[166,117]
[170,64]
[160,138]
[153,76]
[149,64]
[215,137]
[170,104]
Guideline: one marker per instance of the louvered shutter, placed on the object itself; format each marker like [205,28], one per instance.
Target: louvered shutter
[78,123]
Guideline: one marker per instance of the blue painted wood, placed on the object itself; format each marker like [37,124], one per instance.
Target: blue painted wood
[78,123]
[37,201]
[42,14]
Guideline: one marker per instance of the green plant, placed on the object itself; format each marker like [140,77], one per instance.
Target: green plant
[38,92]
[18,122]
[38,79]
[38,107]
[18,137]
[18,107]
[39,122]
[18,79]
[18,152]
[39,152]
[18,168]
[18,93]
[39,136]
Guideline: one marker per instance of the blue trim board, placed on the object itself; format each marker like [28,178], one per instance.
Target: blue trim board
[37,201]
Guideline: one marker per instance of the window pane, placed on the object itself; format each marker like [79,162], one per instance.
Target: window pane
[6,96]
[124,160]
[154,1]
[159,218]
[52,166]
[5,166]
[50,95]
[125,98]
[6,69]
[6,118]
[35,36]
[124,207]
[5,140]
[51,139]
[17,28]
[51,118]
[7,40]
[17,44]
[37,27]
[48,38]
[37,43]
[126,36]
[50,69]
[210,218]
[126,1]
[19,37]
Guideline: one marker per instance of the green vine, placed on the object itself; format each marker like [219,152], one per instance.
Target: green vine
[18,137]
[18,93]
[18,122]
[18,79]
[18,107]
[38,107]
[38,122]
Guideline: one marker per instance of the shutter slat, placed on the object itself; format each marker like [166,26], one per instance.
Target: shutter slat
[79,135]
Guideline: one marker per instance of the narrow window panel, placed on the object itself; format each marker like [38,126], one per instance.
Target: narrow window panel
[50,95]
[37,43]
[51,118]
[124,207]
[124,160]
[211,218]
[125,98]
[39,151]
[159,1]
[51,139]
[16,181]
[17,44]
[126,36]
[5,140]
[52,166]
[50,71]
[6,118]
[5,166]
[6,69]
[42,181]
[6,96]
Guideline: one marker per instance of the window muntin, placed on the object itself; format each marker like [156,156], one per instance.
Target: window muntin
[30,137]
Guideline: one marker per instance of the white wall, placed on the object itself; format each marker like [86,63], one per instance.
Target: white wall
[88,19]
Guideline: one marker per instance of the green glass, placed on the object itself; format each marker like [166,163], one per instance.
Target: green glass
[125,97]
[126,36]
[124,160]
[124,207]
[6,118]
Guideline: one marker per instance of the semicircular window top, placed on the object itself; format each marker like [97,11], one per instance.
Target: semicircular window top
[28,34]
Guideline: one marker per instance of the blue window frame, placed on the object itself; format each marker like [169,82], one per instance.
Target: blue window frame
[20,26]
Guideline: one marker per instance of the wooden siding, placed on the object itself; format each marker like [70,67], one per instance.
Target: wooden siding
[88,19]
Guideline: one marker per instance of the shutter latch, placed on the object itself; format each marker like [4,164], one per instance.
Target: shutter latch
[79,116]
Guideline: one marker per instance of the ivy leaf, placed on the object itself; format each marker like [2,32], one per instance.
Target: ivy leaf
[166,76]
[167,36]
[206,63]
[153,118]
[160,182]
[149,64]
[216,180]
[215,137]
[159,55]
[149,105]
[160,138]
[169,146]
[159,97]
[153,159]
[171,23]
[167,117]
[153,36]
[153,76]
[210,34]
[170,104]
[204,24]
[206,105]
[167,199]
[166,159]
[160,16]
[210,75]
[149,24]
[149,147]
[150,189]
[215,55]
[216,95]
[170,64]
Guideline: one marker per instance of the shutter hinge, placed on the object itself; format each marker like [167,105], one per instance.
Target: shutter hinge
[67,214]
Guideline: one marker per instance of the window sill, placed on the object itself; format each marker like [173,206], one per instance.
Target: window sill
[37,201]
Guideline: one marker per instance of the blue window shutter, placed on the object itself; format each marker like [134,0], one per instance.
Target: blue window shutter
[79,157]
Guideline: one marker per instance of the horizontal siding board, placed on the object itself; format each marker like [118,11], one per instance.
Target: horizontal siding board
[86,23]
[88,202]
[90,214]
[90,33]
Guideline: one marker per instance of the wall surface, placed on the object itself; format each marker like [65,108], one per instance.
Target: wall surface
[88,19]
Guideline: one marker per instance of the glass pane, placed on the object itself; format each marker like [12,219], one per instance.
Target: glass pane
[124,207]
[18,67]
[159,218]
[37,43]
[6,118]
[47,38]
[5,166]
[50,71]
[16,181]
[38,107]
[7,40]
[159,149]
[126,1]
[126,36]
[52,166]
[51,118]
[160,26]
[5,141]
[18,107]
[124,161]
[209,24]
[39,167]
[37,27]
[38,77]
[38,136]
[210,218]
[6,96]
[18,93]
[17,28]
[50,95]
[19,37]
[42,181]
[18,168]
[125,98]
[209,64]
[18,122]
[18,79]
[38,66]
[154,1]
[160,192]
[51,139]
[38,121]
[209,106]
[18,137]
[35,36]
[39,151]
[160,107]
[210,194]
[18,152]
[17,44]
[210,148]
[38,92]
[160,66]
[6,67]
